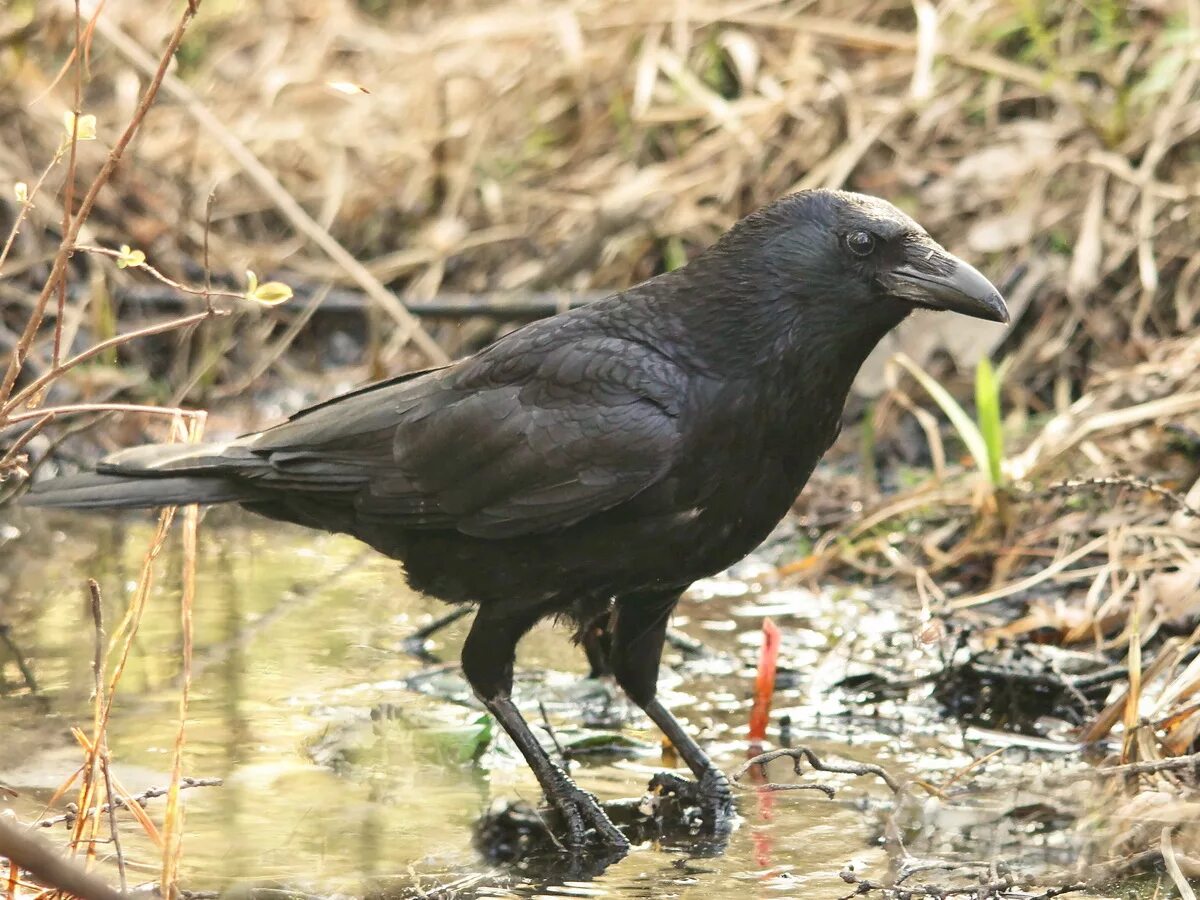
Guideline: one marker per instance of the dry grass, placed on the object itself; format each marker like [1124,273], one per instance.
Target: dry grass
[1094,547]
[22,405]
[591,143]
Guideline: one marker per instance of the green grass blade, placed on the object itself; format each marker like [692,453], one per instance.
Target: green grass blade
[967,430]
[987,411]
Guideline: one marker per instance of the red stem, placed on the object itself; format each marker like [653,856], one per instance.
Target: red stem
[764,685]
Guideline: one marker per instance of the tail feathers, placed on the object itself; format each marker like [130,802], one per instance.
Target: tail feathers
[157,475]
[178,459]
[103,491]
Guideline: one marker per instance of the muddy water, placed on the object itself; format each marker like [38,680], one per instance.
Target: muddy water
[347,763]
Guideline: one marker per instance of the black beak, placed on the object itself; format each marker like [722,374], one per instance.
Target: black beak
[933,278]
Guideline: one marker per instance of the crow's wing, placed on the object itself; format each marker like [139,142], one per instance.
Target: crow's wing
[523,439]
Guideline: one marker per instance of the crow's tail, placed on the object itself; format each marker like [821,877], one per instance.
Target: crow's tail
[145,477]
[93,490]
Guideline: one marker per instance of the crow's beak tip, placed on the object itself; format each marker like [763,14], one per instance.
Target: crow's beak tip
[999,308]
[1006,317]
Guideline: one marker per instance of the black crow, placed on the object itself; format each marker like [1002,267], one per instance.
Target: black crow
[604,458]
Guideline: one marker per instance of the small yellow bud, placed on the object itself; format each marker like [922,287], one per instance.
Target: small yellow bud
[269,293]
[130,258]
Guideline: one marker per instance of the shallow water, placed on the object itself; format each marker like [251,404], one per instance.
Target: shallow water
[298,640]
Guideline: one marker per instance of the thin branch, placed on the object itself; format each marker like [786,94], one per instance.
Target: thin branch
[76,408]
[11,457]
[27,203]
[1158,765]
[69,185]
[1076,485]
[206,291]
[798,754]
[139,799]
[41,860]
[208,208]
[46,378]
[102,743]
[215,129]
[66,246]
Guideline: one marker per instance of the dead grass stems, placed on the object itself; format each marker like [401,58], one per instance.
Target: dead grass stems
[1106,564]
[98,789]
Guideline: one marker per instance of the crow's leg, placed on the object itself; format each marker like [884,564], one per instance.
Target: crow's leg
[487,662]
[637,644]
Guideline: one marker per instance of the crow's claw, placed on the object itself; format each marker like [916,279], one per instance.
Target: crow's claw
[581,811]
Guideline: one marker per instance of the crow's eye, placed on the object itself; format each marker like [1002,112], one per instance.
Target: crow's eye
[861,243]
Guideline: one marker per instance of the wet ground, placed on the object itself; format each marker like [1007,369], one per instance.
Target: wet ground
[349,766]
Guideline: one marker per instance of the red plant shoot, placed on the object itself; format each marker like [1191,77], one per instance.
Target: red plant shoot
[764,684]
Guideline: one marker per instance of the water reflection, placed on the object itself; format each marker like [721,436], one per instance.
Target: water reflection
[348,764]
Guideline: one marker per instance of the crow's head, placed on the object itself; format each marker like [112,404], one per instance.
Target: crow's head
[864,255]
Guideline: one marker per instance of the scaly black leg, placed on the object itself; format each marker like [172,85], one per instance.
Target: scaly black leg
[637,644]
[487,661]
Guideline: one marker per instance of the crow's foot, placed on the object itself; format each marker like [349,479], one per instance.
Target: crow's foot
[711,795]
[582,813]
